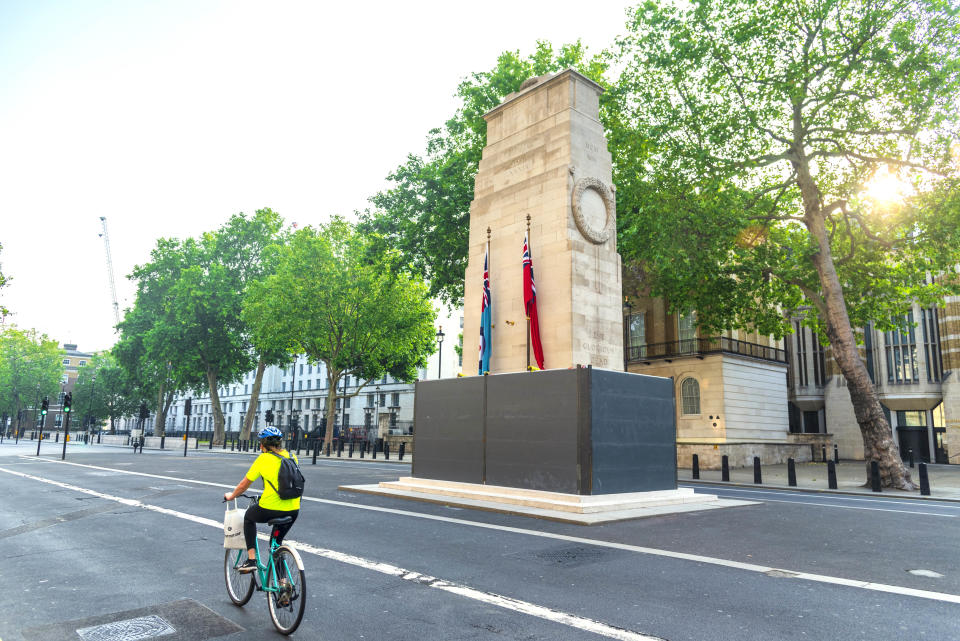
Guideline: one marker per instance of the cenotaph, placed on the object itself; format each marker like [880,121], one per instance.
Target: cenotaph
[582,441]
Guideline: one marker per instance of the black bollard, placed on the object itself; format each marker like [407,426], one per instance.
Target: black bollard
[316,448]
[832,475]
[924,480]
[224,442]
[386,450]
[363,447]
[98,438]
[339,449]
[724,468]
[403,447]
[231,445]
[210,443]
[836,454]
[910,455]
[298,447]
[696,466]
[196,443]
[757,478]
[328,450]
[351,450]
[57,439]
[823,453]
[874,476]
[162,441]
[374,451]
[791,473]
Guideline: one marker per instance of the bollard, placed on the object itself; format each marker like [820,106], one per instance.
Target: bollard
[339,449]
[298,447]
[832,475]
[374,451]
[224,442]
[328,450]
[696,466]
[724,468]
[910,454]
[823,453]
[231,445]
[316,448]
[836,454]
[757,478]
[350,455]
[403,446]
[874,476]
[98,438]
[386,451]
[196,444]
[363,447]
[162,440]
[924,480]
[791,473]
[210,443]
[57,440]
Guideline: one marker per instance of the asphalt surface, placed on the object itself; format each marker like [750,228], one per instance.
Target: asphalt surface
[79,553]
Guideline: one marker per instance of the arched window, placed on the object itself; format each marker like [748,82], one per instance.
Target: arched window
[690,396]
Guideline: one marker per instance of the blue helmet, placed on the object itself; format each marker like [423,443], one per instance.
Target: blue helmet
[269,432]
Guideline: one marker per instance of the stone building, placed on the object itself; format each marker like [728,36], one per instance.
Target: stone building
[747,395]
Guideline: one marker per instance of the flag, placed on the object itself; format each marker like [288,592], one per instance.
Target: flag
[530,303]
[486,347]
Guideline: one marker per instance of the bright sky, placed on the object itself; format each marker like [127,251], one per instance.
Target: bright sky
[167,117]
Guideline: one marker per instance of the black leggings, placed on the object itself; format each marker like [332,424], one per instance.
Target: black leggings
[256,514]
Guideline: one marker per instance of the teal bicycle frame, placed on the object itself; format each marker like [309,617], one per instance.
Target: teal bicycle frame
[267,571]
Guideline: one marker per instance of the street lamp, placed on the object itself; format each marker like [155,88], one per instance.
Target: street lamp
[440,336]
[626,331]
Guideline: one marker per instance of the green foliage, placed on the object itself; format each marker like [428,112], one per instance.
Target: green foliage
[31,367]
[425,214]
[3,283]
[104,391]
[762,123]
[338,298]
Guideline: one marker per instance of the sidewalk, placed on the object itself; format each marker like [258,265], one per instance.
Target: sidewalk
[851,476]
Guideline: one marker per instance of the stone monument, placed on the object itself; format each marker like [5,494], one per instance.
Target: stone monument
[583,441]
[546,158]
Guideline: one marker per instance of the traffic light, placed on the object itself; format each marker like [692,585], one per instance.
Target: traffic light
[67,401]
[144,413]
[44,406]
[187,406]
[269,417]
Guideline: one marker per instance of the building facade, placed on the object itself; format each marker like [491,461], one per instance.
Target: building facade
[746,395]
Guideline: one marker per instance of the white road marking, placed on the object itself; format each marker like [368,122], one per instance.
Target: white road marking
[850,507]
[750,567]
[490,598]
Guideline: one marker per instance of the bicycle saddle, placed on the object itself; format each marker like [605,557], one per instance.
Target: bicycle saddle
[280,520]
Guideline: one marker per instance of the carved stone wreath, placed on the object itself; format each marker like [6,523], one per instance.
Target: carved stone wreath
[596,236]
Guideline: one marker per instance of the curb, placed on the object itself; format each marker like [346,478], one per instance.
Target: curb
[787,488]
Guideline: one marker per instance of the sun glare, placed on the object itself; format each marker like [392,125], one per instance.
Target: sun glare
[887,188]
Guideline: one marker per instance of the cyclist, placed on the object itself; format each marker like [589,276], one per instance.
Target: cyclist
[270,505]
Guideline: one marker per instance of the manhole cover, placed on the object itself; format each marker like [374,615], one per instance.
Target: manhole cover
[571,556]
[130,630]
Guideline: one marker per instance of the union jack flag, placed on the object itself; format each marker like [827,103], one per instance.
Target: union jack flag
[486,317]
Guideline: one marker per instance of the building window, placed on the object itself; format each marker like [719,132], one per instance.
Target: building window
[690,396]
[301,384]
[911,418]
[306,403]
[383,399]
[308,383]
[369,400]
[301,369]
[901,352]
[687,326]
[801,335]
[819,362]
[319,384]
[395,399]
[66,361]
[637,335]
[283,386]
[346,402]
[931,345]
[82,364]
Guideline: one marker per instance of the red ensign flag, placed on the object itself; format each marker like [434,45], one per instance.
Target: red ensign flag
[530,303]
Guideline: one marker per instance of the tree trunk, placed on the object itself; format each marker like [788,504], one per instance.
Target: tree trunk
[218,435]
[878,442]
[161,415]
[254,398]
[333,379]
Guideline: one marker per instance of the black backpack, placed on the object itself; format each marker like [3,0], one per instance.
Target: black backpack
[289,479]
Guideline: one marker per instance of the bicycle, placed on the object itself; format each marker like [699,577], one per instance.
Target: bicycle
[282,579]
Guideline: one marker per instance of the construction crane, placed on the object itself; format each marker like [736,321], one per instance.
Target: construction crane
[113,285]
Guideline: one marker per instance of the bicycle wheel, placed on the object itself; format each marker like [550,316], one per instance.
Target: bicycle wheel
[239,586]
[289,599]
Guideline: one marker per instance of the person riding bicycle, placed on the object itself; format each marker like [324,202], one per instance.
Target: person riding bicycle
[270,505]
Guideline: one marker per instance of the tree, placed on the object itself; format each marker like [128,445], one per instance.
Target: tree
[31,368]
[3,283]
[104,391]
[758,128]
[187,314]
[425,214]
[338,298]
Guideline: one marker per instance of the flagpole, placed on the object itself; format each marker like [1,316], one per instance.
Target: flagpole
[490,302]
[530,251]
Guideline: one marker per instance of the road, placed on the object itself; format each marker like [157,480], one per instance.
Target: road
[109,535]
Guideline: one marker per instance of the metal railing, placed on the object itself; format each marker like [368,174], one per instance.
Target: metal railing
[704,346]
